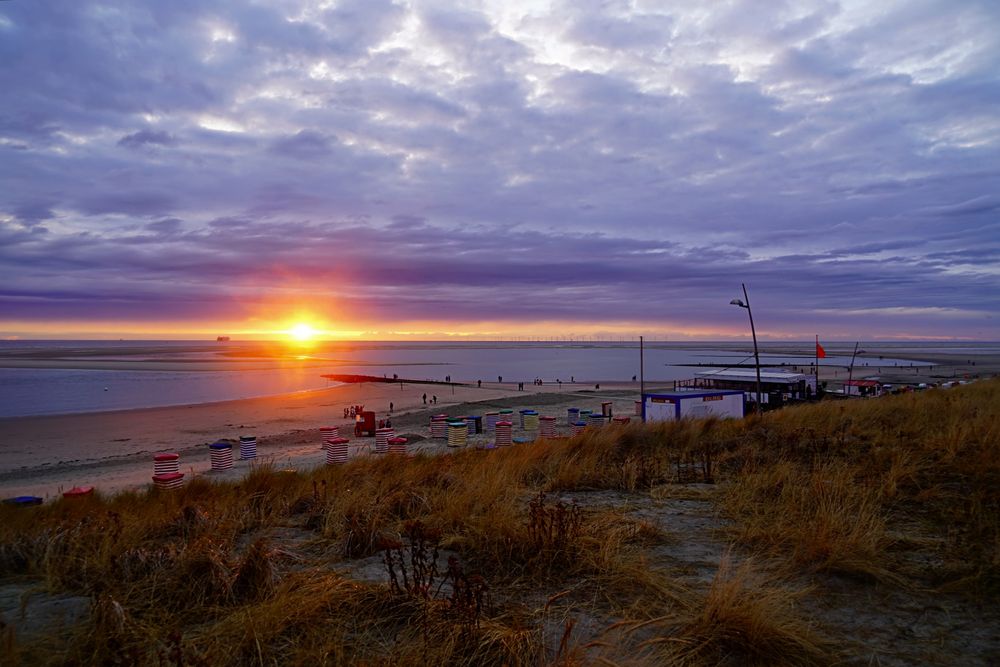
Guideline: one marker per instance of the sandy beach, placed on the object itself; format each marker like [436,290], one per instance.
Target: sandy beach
[113,451]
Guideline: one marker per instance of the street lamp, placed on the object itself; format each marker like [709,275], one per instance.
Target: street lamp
[756,356]
[850,371]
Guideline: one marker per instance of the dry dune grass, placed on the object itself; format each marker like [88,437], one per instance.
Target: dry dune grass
[746,617]
[254,572]
[820,519]
[825,484]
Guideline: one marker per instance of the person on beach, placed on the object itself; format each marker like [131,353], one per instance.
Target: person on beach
[499,379]
[479,384]
[425,399]
[390,407]
[435,400]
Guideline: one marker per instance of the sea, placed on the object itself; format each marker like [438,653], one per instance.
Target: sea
[192,372]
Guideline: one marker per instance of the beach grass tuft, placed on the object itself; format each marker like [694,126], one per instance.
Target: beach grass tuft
[533,554]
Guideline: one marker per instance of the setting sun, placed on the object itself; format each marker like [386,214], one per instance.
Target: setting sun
[302,332]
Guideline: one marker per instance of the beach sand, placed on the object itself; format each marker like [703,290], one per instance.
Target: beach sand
[113,451]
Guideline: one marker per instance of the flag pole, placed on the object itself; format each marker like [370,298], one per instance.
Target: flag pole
[642,373]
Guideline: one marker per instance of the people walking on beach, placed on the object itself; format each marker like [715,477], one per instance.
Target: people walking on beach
[425,399]
[479,384]
[435,398]
[499,379]
[390,407]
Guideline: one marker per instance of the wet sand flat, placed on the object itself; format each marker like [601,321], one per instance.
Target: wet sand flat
[113,450]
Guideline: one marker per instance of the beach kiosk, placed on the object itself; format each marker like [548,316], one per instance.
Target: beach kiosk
[671,406]
[776,385]
[864,388]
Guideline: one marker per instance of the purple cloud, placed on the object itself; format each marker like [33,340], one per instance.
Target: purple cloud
[579,162]
[145,138]
[304,145]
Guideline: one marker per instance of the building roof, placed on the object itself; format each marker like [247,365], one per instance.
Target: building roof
[861,383]
[750,374]
[691,393]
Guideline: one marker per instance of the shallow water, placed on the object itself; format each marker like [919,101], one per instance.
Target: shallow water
[30,391]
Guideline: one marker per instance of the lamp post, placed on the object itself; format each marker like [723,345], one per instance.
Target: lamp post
[756,356]
[850,371]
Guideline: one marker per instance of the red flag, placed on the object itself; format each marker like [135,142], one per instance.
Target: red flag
[820,352]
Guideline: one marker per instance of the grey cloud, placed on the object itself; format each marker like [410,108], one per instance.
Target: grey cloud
[593,149]
[136,203]
[305,144]
[404,221]
[637,32]
[814,63]
[470,37]
[359,25]
[33,212]
[455,25]
[166,227]
[146,137]
[422,261]
[402,102]
[975,206]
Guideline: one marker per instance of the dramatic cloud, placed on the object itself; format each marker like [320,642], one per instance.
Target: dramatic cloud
[511,164]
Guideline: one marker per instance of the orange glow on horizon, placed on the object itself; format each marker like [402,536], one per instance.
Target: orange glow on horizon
[301,329]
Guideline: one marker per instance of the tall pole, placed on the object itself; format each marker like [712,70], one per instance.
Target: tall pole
[850,371]
[816,364]
[756,354]
[642,376]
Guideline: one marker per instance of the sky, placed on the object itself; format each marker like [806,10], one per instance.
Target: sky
[384,169]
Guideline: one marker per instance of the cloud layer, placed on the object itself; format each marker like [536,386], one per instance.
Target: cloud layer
[503,165]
